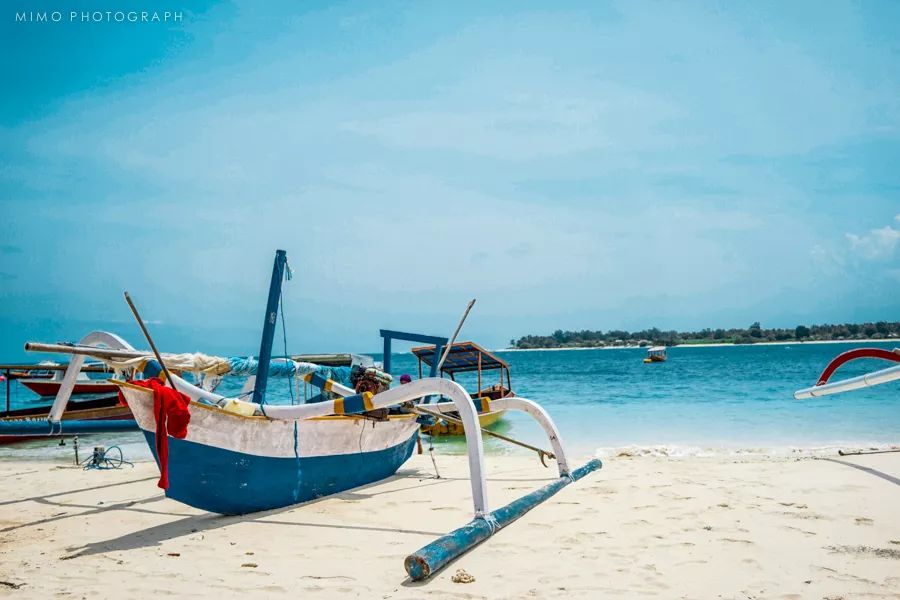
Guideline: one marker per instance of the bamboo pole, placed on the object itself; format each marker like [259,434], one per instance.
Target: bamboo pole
[82,350]
[62,367]
[453,339]
[162,364]
[435,556]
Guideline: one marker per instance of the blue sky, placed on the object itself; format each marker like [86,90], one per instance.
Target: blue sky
[586,165]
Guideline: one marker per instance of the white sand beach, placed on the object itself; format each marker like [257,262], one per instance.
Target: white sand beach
[723,527]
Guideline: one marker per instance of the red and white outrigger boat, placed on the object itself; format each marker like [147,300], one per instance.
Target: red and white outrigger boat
[49,386]
[823,388]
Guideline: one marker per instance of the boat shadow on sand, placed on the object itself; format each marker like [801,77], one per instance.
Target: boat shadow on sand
[156,535]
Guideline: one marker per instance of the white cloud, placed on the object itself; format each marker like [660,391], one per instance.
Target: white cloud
[879,243]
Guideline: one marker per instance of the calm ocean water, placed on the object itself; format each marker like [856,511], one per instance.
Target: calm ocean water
[702,400]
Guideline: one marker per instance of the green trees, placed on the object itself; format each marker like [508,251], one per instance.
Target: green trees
[754,334]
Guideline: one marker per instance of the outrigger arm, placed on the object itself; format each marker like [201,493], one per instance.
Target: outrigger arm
[76,361]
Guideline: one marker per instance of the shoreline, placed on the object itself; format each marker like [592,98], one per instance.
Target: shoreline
[710,345]
[135,449]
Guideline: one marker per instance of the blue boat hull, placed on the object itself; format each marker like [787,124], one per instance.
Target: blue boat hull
[234,483]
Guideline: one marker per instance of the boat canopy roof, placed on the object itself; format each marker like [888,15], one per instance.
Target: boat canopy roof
[463,357]
[336,360]
[657,349]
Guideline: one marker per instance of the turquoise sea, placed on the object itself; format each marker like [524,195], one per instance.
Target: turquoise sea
[703,400]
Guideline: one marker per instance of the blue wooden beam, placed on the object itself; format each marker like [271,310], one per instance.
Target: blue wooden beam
[265,346]
[388,335]
[413,337]
[436,555]
[73,427]
[386,361]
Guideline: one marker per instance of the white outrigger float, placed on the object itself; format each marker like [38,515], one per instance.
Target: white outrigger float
[239,457]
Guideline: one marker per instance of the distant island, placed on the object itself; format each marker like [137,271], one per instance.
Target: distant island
[752,335]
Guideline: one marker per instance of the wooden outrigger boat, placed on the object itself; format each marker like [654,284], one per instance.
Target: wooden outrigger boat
[824,388]
[237,457]
[467,357]
[99,409]
[48,386]
[882,376]
[99,402]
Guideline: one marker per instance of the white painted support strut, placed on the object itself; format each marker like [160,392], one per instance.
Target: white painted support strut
[532,408]
[853,383]
[76,361]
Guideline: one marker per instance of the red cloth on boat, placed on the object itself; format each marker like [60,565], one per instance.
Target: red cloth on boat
[170,408]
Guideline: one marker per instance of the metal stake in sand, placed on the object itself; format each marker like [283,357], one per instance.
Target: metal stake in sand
[162,365]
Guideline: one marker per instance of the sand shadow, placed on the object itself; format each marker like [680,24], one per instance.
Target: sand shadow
[92,510]
[70,492]
[869,470]
[154,536]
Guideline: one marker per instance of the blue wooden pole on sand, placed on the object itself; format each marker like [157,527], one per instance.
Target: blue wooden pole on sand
[436,555]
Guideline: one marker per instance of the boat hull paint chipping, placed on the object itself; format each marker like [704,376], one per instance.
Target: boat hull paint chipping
[235,483]
[436,555]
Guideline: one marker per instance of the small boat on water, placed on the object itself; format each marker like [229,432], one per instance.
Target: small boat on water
[656,354]
[468,357]
[98,409]
[89,400]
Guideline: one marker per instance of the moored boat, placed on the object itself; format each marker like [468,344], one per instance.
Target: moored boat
[656,354]
[90,399]
[49,387]
[233,456]
[468,357]
[98,409]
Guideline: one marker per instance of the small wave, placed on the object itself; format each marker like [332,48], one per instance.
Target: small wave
[680,451]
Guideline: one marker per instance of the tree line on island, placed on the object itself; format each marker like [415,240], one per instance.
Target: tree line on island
[751,335]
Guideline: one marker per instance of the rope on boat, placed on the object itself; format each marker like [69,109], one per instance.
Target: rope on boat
[540,451]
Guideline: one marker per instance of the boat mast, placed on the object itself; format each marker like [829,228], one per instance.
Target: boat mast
[265,347]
